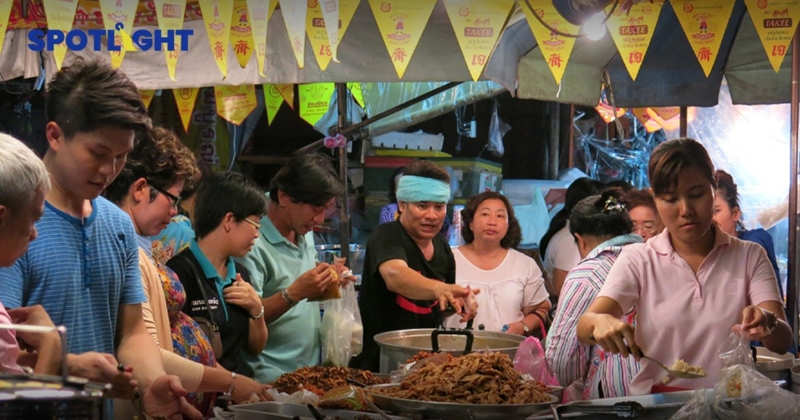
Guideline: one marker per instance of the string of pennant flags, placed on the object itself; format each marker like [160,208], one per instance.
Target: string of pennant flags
[241,25]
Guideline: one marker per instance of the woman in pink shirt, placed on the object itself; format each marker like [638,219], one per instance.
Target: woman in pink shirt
[690,284]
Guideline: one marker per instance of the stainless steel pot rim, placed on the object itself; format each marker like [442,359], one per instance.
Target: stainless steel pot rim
[387,340]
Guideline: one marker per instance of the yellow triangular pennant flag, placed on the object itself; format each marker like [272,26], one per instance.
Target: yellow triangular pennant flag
[217,18]
[666,116]
[185,99]
[704,22]
[666,112]
[776,23]
[358,94]
[401,25]
[331,14]
[241,33]
[477,24]
[632,30]
[235,103]
[5,12]
[147,97]
[60,14]
[273,100]
[170,17]
[259,13]
[123,13]
[609,113]
[287,91]
[647,121]
[555,48]
[317,28]
[294,16]
[314,100]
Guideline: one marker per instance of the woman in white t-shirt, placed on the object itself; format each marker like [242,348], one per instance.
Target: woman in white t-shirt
[513,297]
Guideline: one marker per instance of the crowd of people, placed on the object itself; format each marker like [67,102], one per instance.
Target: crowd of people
[180,286]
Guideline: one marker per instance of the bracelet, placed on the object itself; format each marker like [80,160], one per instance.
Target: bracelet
[287,298]
[233,381]
[260,314]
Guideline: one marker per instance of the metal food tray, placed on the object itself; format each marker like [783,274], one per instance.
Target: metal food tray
[439,410]
[288,411]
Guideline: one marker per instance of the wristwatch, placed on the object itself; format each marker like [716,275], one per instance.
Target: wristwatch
[525,329]
[287,298]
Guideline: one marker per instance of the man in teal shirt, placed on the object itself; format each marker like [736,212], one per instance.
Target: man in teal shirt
[283,265]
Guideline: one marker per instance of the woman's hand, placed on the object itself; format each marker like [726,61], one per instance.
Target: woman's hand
[241,293]
[758,323]
[165,399]
[246,390]
[104,368]
[613,334]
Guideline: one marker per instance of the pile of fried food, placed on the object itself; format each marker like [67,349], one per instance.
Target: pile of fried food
[320,379]
[425,355]
[477,378]
[681,365]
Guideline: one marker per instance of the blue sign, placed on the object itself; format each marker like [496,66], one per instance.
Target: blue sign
[78,40]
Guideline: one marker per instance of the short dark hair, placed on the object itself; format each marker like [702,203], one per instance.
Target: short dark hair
[88,95]
[189,189]
[577,191]
[223,193]
[160,157]
[640,198]
[672,157]
[597,215]
[307,178]
[427,169]
[513,235]
[727,188]
[625,186]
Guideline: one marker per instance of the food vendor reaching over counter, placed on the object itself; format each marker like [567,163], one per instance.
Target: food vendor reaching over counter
[690,284]
[409,269]
[283,265]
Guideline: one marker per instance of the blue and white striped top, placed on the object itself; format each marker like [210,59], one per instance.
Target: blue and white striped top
[80,271]
[569,358]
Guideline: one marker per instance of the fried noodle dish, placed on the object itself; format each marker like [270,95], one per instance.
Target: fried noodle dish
[319,379]
[477,378]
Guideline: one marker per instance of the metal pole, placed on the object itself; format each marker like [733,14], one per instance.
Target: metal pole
[792,261]
[684,121]
[353,128]
[554,144]
[344,206]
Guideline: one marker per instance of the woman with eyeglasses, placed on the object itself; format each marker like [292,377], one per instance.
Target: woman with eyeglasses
[643,213]
[147,189]
[218,291]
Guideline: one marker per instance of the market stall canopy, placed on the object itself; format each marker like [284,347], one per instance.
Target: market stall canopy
[670,74]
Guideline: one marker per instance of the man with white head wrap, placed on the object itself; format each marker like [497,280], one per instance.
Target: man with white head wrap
[409,269]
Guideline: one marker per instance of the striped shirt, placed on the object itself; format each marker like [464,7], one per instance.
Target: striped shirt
[569,358]
[80,271]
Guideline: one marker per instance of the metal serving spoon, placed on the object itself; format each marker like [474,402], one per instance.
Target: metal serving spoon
[676,373]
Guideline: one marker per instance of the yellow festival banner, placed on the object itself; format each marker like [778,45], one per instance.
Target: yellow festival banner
[208,134]
[401,24]
[273,100]
[185,99]
[334,23]
[317,28]
[235,103]
[704,23]
[776,23]
[217,18]
[170,16]
[609,113]
[5,12]
[477,24]
[555,48]
[641,114]
[632,30]
[60,14]
[355,90]
[147,97]
[118,12]
[314,100]
[666,117]
[241,33]
[259,14]
[667,112]
[287,91]
[294,16]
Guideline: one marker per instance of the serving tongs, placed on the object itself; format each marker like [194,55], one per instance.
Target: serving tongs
[626,409]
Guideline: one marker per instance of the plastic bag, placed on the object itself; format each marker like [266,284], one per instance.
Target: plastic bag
[697,408]
[497,129]
[735,350]
[574,392]
[341,331]
[529,359]
[345,398]
[302,396]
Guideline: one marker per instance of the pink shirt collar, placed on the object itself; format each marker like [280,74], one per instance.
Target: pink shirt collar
[662,244]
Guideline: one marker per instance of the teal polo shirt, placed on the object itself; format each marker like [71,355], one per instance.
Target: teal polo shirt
[275,263]
[211,273]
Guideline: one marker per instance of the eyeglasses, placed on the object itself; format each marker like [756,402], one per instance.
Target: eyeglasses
[176,201]
[256,224]
[646,228]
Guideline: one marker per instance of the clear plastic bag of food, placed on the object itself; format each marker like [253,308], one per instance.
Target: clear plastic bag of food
[744,393]
[345,398]
[697,408]
[302,396]
[735,350]
[530,360]
[341,331]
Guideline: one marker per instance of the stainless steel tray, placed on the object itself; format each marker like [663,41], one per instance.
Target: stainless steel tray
[287,411]
[440,410]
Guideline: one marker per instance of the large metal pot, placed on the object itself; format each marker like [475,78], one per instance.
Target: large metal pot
[399,346]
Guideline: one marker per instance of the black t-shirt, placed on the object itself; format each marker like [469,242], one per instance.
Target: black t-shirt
[383,310]
[235,331]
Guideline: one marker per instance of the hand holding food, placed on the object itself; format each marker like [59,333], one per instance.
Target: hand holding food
[757,322]
[615,336]
[312,282]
